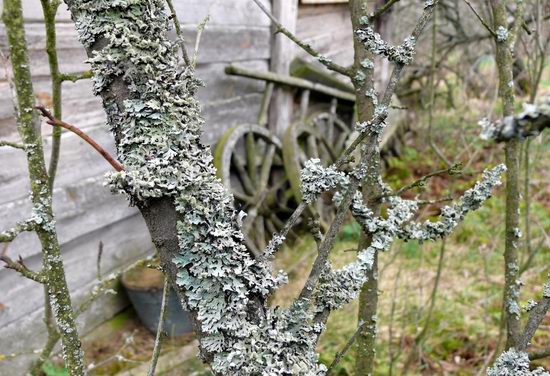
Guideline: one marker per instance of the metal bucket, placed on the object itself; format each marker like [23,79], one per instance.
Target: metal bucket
[147,302]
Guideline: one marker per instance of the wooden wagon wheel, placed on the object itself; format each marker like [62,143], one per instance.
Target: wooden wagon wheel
[250,163]
[321,135]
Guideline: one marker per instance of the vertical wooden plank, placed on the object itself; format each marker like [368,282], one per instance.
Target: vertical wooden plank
[282,52]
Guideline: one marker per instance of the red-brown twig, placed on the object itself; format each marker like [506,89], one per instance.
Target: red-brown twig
[53,121]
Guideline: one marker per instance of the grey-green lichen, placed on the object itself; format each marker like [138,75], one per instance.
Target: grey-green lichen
[316,179]
[339,287]
[502,34]
[378,123]
[530,122]
[401,54]
[452,215]
[158,128]
[546,291]
[514,363]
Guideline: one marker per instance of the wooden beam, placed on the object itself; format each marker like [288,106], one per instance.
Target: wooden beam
[289,81]
[282,53]
[301,68]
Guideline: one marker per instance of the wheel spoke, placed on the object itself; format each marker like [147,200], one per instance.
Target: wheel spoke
[260,232]
[265,171]
[251,157]
[242,174]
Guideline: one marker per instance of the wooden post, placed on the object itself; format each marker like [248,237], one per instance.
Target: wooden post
[282,53]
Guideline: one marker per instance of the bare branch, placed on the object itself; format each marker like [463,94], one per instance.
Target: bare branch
[306,47]
[14,145]
[200,29]
[11,234]
[181,39]
[74,77]
[483,22]
[22,269]
[385,8]
[340,355]
[160,329]
[539,354]
[535,319]
[421,182]
[53,121]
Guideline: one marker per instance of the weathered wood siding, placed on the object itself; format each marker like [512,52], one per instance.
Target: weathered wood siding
[328,29]
[86,212]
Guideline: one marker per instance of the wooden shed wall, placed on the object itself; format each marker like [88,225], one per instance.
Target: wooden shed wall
[87,212]
[328,29]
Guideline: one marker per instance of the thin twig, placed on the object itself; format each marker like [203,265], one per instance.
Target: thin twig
[49,9]
[539,354]
[421,182]
[432,85]
[53,337]
[24,226]
[98,261]
[160,329]
[433,202]
[385,8]
[306,47]
[483,22]
[181,39]
[290,223]
[14,145]
[340,355]
[535,319]
[74,77]
[53,121]
[419,340]
[22,269]
[200,29]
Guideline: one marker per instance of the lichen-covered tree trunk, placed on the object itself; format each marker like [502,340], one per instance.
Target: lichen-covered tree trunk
[363,81]
[42,219]
[505,41]
[168,174]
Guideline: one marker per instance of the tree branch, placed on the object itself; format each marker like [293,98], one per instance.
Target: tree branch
[22,269]
[535,319]
[539,354]
[14,145]
[160,329]
[24,226]
[531,122]
[390,87]
[421,182]
[340,355]
[53,121]
[306,47]
[485,24]
[74,77]
[386,7]
[181,39]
